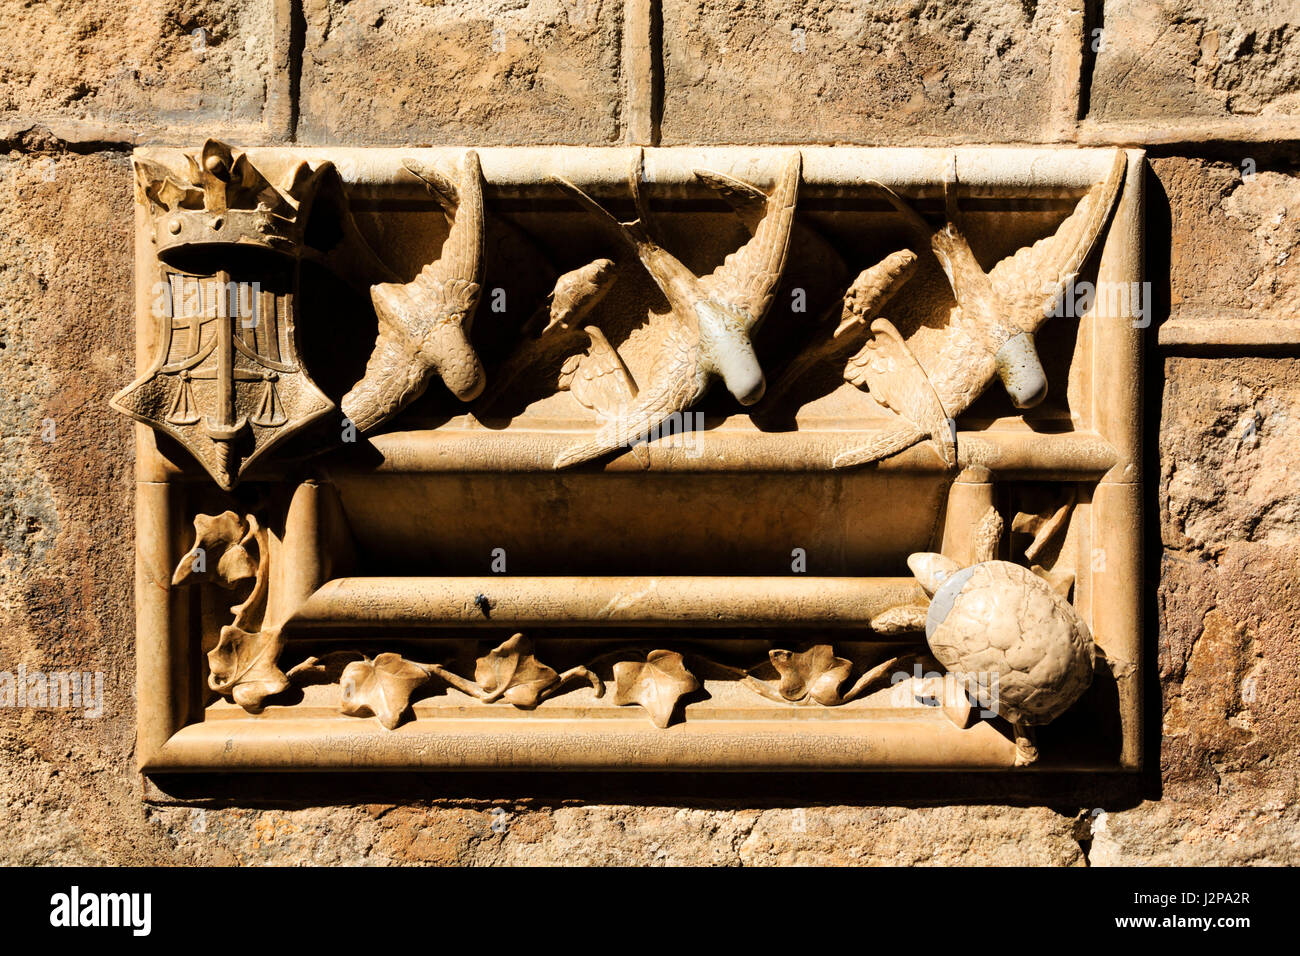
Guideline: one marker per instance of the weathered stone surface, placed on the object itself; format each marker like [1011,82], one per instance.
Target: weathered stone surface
[1234,831]
[1230,590]
[977,70]
[1235,233]
[1231,672]
[1182,58]
[151,64]
[411,72]
[618,835]
[1227,440]
[65,503]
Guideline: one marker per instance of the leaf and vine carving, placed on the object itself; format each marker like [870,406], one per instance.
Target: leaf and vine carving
[383,687]
[228,552]
[658,683]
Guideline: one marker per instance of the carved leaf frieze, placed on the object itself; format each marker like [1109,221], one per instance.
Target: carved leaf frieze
[658,683]
[381,687]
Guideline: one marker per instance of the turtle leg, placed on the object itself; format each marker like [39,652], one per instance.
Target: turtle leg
[1026,748]
[900,619]
[956,703]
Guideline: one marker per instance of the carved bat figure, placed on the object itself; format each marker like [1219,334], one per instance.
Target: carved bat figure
[424,324]
[712,317]
[990,331]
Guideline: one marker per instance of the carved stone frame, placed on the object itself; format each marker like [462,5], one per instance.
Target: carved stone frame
[176,736]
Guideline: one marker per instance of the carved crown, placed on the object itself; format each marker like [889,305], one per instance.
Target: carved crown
[223,199]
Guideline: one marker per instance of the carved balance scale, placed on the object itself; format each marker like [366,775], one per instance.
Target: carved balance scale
[494,545]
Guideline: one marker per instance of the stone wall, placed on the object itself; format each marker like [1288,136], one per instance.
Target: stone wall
[1212,89]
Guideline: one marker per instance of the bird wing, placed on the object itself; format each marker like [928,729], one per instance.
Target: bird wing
[893,376]
[888,442]
[749,202]
[676,383]
[598,378]
[668,273]
[451,283]
[747,279]
[1031,280]
[874,287]
[868,294]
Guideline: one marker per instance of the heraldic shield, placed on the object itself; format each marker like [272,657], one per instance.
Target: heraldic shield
[226,380]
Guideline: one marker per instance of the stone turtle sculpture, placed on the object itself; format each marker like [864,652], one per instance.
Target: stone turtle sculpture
[1005,629]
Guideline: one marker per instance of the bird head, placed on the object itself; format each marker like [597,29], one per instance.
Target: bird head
[931,570]
[1021,371]
[725,345]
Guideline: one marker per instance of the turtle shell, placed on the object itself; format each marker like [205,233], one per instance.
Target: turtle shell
[1004,626]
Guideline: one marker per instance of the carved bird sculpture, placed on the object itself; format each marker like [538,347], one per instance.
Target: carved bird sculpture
[862,302]
[553,329]
[424,324]
[990,332]
[712,317]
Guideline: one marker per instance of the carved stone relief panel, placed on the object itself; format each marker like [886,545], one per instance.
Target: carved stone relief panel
[574,458]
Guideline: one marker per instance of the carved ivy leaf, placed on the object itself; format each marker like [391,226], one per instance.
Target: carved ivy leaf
[815,673]
[511,671]
[656,683]
[381,687]
[243,666]
[220,554]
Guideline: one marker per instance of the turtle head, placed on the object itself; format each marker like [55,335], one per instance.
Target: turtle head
[932,570]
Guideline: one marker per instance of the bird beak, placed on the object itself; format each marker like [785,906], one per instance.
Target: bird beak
[1021,372]
[750,390]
